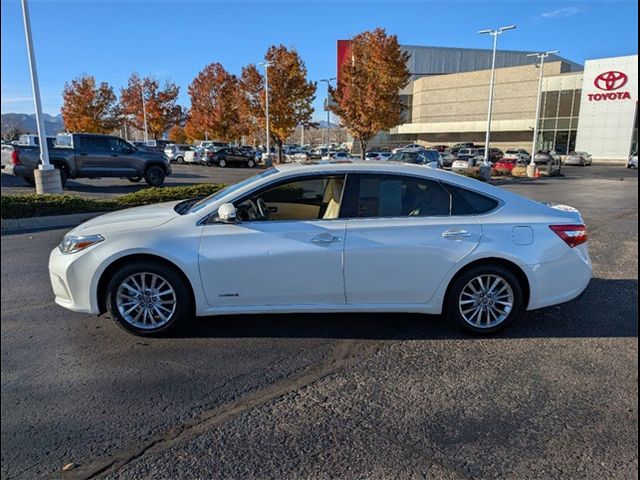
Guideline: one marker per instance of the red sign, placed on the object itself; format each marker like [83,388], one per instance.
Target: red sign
[344,55]
[609,82]
[612,80]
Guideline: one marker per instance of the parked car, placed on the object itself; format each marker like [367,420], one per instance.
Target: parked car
[376,155]
[467,154]
[633,160]
[495,154]
[447,159]
[505,164]
[543,157]
[458,146]
[33,140]
[208,144]
[440,148]
[518,155]
[195,156]
[420,156]
[89,155]
[175,153]
[582,159]
[352,237]
[229,156]
[406,147]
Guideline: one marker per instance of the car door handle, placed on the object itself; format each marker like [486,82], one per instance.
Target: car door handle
[325,239]
[456,234]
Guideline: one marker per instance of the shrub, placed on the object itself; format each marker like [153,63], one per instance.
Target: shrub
[34,205]
[472,173]
[519,172]
[501,172]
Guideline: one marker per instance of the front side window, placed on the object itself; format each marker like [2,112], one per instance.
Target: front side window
[370,195]
[316,198]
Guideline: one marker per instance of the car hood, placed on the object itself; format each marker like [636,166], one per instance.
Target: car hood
[137,218]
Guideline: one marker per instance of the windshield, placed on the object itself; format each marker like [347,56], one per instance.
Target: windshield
[205,202]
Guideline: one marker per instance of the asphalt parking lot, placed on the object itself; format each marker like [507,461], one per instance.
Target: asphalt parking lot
[330,396]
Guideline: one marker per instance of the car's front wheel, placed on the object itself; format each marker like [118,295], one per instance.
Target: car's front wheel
[222,163]
[251,163]
[180,160]
[147,299]
[485,299]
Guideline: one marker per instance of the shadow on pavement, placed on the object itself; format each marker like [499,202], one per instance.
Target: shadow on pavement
[608,308]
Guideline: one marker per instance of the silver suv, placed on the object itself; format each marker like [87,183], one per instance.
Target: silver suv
[175,153]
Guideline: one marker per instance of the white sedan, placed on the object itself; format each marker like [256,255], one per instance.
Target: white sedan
[343,237]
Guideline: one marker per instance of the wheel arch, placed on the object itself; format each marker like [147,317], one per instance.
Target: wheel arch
[514,268]
[118,263]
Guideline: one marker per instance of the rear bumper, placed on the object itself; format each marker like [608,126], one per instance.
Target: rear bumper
[17,171]
[562,280]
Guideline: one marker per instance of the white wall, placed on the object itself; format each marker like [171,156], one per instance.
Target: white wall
[605,127]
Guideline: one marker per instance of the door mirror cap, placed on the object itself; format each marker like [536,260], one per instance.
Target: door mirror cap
[227,213]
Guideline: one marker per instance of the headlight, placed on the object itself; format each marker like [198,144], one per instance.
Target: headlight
[74,243]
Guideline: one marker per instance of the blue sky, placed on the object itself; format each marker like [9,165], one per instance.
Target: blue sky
[174,39]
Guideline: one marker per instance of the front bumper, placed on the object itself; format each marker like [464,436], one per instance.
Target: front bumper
[74,281]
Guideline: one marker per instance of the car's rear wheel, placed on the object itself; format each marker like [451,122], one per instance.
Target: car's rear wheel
[485,299]
[222,163]
[147,299]
[63,174]
[251,163]
[154,176]
[32,181]
[180,160]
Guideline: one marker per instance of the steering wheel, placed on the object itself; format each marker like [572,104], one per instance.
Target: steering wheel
[262,209]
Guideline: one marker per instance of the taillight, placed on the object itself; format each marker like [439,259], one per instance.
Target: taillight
[573,235]
[15,157]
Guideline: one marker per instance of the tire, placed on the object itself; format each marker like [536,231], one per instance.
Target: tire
[175,306]
[474,321]
[222,163]
[154,175]
[63,174]
[134,179]
[251,163]
[32,181]
[180,160]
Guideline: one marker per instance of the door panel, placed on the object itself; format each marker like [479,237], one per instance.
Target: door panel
[403,260]
[273,263]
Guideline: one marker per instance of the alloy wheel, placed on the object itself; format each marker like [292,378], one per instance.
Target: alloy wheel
[486,301]
[146,300]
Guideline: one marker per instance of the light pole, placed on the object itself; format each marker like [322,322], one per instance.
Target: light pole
[328,82]
[46,177]
[487,145]
[144,111]
[266,66]
[531,168]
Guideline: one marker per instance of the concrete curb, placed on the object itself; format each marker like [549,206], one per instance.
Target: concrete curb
[10,224]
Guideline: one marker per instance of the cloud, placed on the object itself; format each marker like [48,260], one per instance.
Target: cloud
[559,13]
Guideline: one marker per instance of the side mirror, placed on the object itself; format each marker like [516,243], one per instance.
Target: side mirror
[227,213]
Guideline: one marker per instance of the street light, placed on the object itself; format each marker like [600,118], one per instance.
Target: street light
[144,111]
[494,34]
[47,178]
[531,168]
[266,66]
[328,82]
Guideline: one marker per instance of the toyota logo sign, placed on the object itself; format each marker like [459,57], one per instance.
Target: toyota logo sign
[612,80]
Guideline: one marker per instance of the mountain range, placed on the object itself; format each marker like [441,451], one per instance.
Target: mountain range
[27,122]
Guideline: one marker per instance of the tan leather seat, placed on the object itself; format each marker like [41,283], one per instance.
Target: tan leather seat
[334,192]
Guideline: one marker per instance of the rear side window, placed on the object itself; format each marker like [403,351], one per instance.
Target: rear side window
[467,202]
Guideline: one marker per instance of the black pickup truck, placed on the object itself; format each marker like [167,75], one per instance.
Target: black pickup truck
[89,155]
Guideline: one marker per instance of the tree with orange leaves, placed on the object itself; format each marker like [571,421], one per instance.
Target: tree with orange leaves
[161,108]
[88,107]
[215,105]
[177,134]
[290,94]
[367,97]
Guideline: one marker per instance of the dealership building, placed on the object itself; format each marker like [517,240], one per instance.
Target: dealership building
[591,108]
